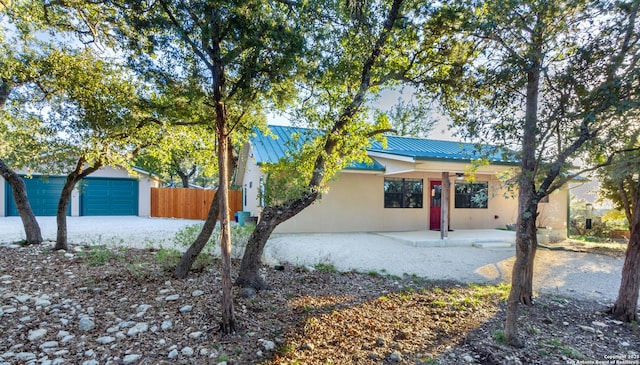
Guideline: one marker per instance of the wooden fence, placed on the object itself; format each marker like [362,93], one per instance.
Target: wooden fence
[188,203]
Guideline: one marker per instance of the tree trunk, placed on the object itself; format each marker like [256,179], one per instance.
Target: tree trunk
[184,178]
[526,293]
[522,276]
[249,276]
[61,214]
[270,218]
[29,222]
[523,267]
[626,305]
[190,256]
[228,325]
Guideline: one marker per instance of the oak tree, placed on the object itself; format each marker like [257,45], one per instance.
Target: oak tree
[546,78]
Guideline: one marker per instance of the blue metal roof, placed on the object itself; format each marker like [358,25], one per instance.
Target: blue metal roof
[431,149]
[268,148]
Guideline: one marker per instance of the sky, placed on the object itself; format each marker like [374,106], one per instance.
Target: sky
[387,99]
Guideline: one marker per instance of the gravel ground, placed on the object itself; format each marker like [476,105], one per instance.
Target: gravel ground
[580,275]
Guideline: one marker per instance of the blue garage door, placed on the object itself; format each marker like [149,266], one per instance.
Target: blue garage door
[43,193]
[108,196]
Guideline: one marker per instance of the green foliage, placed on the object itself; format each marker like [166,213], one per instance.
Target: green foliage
[620,182]
[183,150]
[536,82]
[325,268]
[615,219]
[167,258]
[411,118]
[66,104]
[99,255]
[499,337]
[186,235]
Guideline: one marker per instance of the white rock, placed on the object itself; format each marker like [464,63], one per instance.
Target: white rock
[138,328]
[187,351]
[62,334]
[186,309]
[395,356]
[195,335]
[23,298]
[143,308]
[267,345]
[204,352]
[25,356]
[587,328]
[468,358]
[197,293]
[105,340]
[166,325]
[67,339]
[172,297]
[625,344]
[89,353]
[173,354]
[48,345]
[42,303]
[86,324]
[90,362]
[131,358]
[127,324]
[35,335]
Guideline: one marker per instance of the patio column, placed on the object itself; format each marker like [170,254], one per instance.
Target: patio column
[444,206]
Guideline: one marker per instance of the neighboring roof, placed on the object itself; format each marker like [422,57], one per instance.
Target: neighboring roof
[272,148]
[268,148]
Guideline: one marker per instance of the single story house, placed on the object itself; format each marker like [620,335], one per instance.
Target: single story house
[108,191]
[401,190]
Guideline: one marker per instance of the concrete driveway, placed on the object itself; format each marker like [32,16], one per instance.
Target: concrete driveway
[573,274]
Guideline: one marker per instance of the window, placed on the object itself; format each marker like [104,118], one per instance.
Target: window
[402,193]
[472,195]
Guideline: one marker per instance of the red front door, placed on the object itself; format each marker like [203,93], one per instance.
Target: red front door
[435,205]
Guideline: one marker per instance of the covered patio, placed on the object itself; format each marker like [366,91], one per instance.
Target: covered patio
[482,238]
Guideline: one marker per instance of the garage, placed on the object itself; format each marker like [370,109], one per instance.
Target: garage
[43,192]
[108,196]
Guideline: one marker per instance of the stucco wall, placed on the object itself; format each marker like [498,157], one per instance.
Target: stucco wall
[355,202]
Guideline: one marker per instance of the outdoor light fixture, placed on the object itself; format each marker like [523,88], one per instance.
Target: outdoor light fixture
[459,176]
[589,215]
